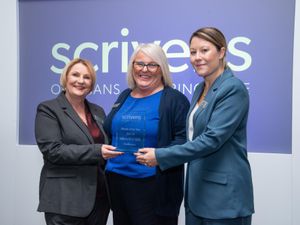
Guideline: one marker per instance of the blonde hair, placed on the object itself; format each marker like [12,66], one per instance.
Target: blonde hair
[68,67]
[155,52]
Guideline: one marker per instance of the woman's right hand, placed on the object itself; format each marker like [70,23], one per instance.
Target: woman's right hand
[108,152]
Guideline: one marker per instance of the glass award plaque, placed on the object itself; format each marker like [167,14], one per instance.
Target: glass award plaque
[131,133]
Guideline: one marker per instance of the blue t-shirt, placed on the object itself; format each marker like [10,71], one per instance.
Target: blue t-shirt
[134,126]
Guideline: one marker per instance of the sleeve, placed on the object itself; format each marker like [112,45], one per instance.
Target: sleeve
[230,109]
[179,113]
[48,133]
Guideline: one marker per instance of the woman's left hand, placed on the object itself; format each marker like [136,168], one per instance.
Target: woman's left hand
[146,156]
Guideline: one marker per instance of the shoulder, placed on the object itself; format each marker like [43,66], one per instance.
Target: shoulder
[97,111]
[125,92]
[59,102]
[49,108]
[123,95]
[96,107]
[231,83]
[234,90]
[48,104]
[234,84]
[173,94]
[173,100]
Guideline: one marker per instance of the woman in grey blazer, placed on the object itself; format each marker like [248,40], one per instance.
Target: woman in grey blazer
[218,180]
[70,136]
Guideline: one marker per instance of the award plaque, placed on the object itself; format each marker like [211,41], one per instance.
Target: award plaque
[131,133]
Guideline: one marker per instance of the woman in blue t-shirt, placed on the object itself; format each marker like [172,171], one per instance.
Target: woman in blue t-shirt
[149,113]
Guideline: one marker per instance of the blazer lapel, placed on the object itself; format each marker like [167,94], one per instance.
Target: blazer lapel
[98,119]
[211,93]
[195,100]
[225,75]
[68,109]
[196,95]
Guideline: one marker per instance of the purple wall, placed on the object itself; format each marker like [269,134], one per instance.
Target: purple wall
[260,52]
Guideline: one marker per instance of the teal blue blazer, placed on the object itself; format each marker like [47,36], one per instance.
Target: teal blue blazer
[218,177]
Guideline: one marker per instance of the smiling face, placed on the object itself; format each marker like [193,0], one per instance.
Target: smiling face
[78,82]
[146,77]
[206,59]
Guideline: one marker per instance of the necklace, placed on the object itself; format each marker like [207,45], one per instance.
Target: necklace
[202,97]
[204,94]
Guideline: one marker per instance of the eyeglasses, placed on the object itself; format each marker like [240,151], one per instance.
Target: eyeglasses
[151,67]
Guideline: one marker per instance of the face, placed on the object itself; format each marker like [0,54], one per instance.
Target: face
[79,81]
[205,57]
[147,77]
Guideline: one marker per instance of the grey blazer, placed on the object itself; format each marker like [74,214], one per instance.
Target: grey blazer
[68,178]
[218,180]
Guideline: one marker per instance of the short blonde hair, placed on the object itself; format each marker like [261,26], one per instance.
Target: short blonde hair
[155,52]
[68,67]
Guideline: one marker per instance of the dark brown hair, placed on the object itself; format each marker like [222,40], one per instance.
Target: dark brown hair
[212,35]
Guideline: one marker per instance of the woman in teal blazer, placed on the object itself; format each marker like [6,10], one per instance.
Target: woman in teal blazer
[218,179]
